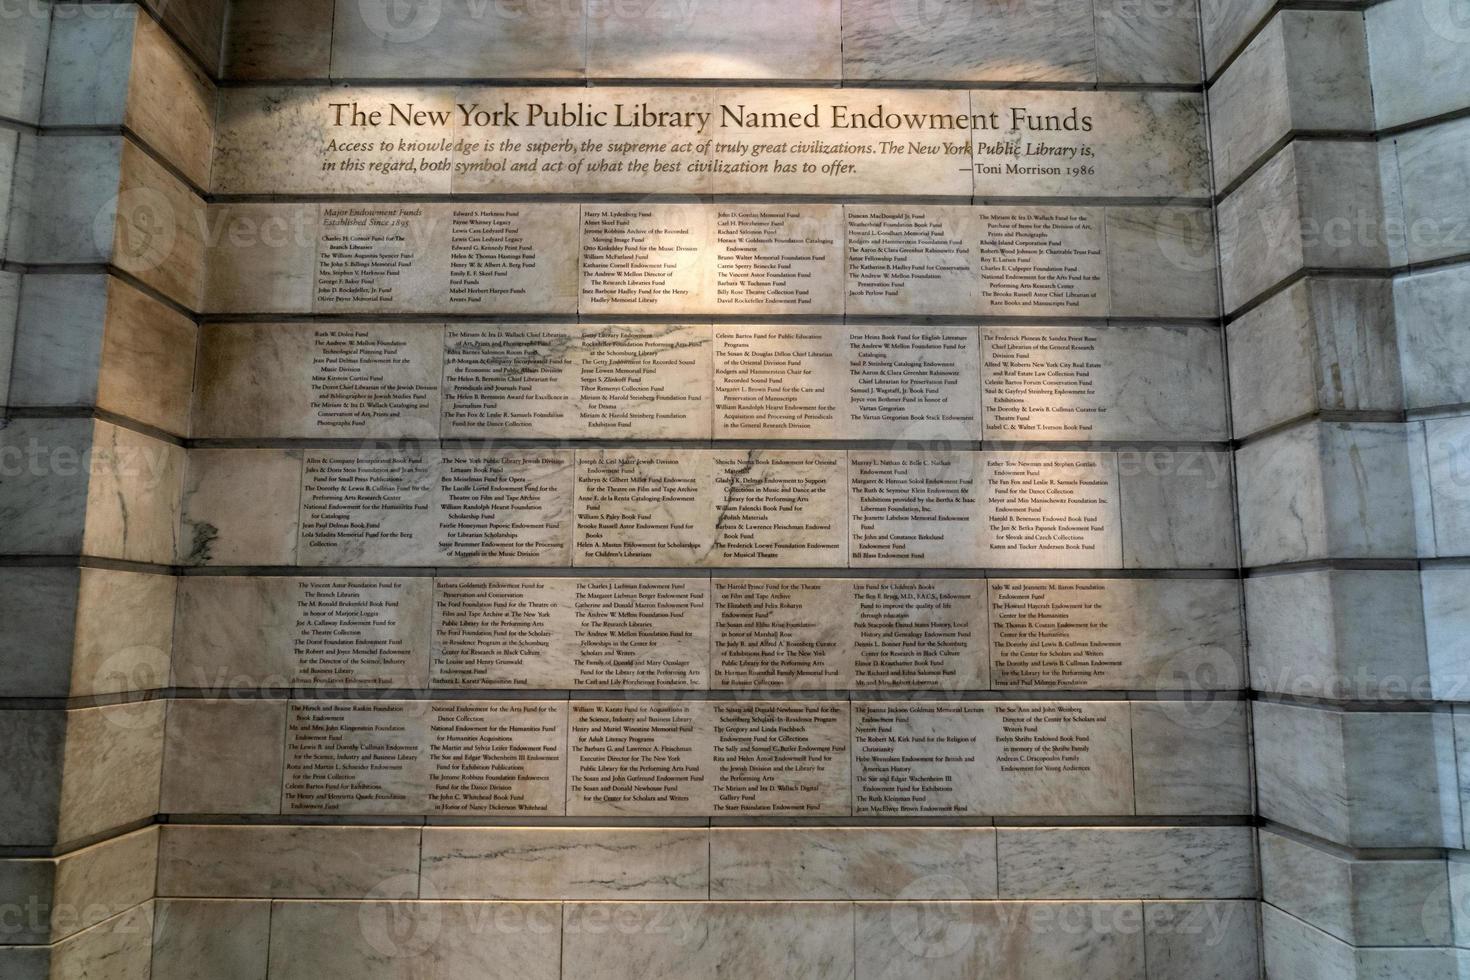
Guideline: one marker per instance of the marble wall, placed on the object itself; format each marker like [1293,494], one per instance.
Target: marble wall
[862,489]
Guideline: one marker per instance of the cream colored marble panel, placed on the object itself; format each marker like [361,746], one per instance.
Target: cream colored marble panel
[1106,383]
[776,259]
[1050,510]
[241,507]
[577,381]
[1090,144]
[260,258]
[343,381]
[133,495]
[170,102]
[644,259]
[933,758]
[915,509]
[221,861]
[223,756]
[377,39]
[555,633]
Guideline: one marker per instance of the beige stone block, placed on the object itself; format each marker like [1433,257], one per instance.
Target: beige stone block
[550,380]
[159,232]
[913,260]
[1091,863]
[133,496]
[915,509]
[755,939]
[223,756]
[251,633]
[327,381]
[644,259]
[770,259]
[443,939]
[220,940]
[219,861]
[265,41]
[555,863]
[1089,144]
[1178,509]
[170,102]
[973,758]
[848,863]
[1043,261]
[1161,262]
[111,769]
[1149,43]
[241,507]
[1104,384]
[916,384]
[763,39]
[1116,634]
[1193,940]
[650,507]
[1192,756]
[261,258]
[958,40]
[779,508]
[557,633]
[373,39]
[1052,509]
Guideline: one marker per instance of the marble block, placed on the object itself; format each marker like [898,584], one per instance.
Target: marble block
[774,381]
[1045,261]
[1417,61]
[88,68]
[30,775]
[848,863]
[287,862]
[1177,509]
[1433,180]
[643,507]
[265,41]
[373,39]
[111,768]
[133,496]
[69,221]
[690,758]
[899,139]
[1338,634]
[1448,442]
[120,947]
[446,758]
[304,140]
[223,756]
[1007,758]
[553,863]
[1116,634]
[644,259]
[241,507]
[80,632]
[1050,510]
[913,384]
[199,27]
[1091,863]
[160,227]
[931,938]
[1090,144]
[1365,779]
[1314,205]
[261,258]
[53,898]
[219,940]
[1148,43]
[1307,70]
[577,381]
[1321,345]
[249,633]
[779,508]
[1446,630]
[846,634]
[1192,757]
[1326,490]
[410,940]
[664,941]
[1112,383]
[1426,306]
[963,41]
[266,380]
[170,102]
[1161,261]
[772,259]
[763,39]
[912,260]
[606,141]
[43,493]
[558,633]
[1225,25]
[1365,903]
[915,509]
[1200,940]
[23,63]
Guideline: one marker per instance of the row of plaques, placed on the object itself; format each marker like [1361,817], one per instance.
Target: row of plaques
[1099,382]
[607,758]
[427,505]
[698,633]
[662,259]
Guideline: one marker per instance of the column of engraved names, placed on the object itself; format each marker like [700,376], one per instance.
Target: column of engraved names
[642,258]
[360,376]
[635,757]
[354,757]
[1052,509]
[369,254]
[775,259]
[488,758]
[491,258]
[1053,634]
[351,631]
[1041,261]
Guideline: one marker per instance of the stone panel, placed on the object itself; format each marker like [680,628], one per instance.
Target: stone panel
[288,862]
[1418,61]
[1102,863]
[372,40]
[1426,307]
[220,940]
